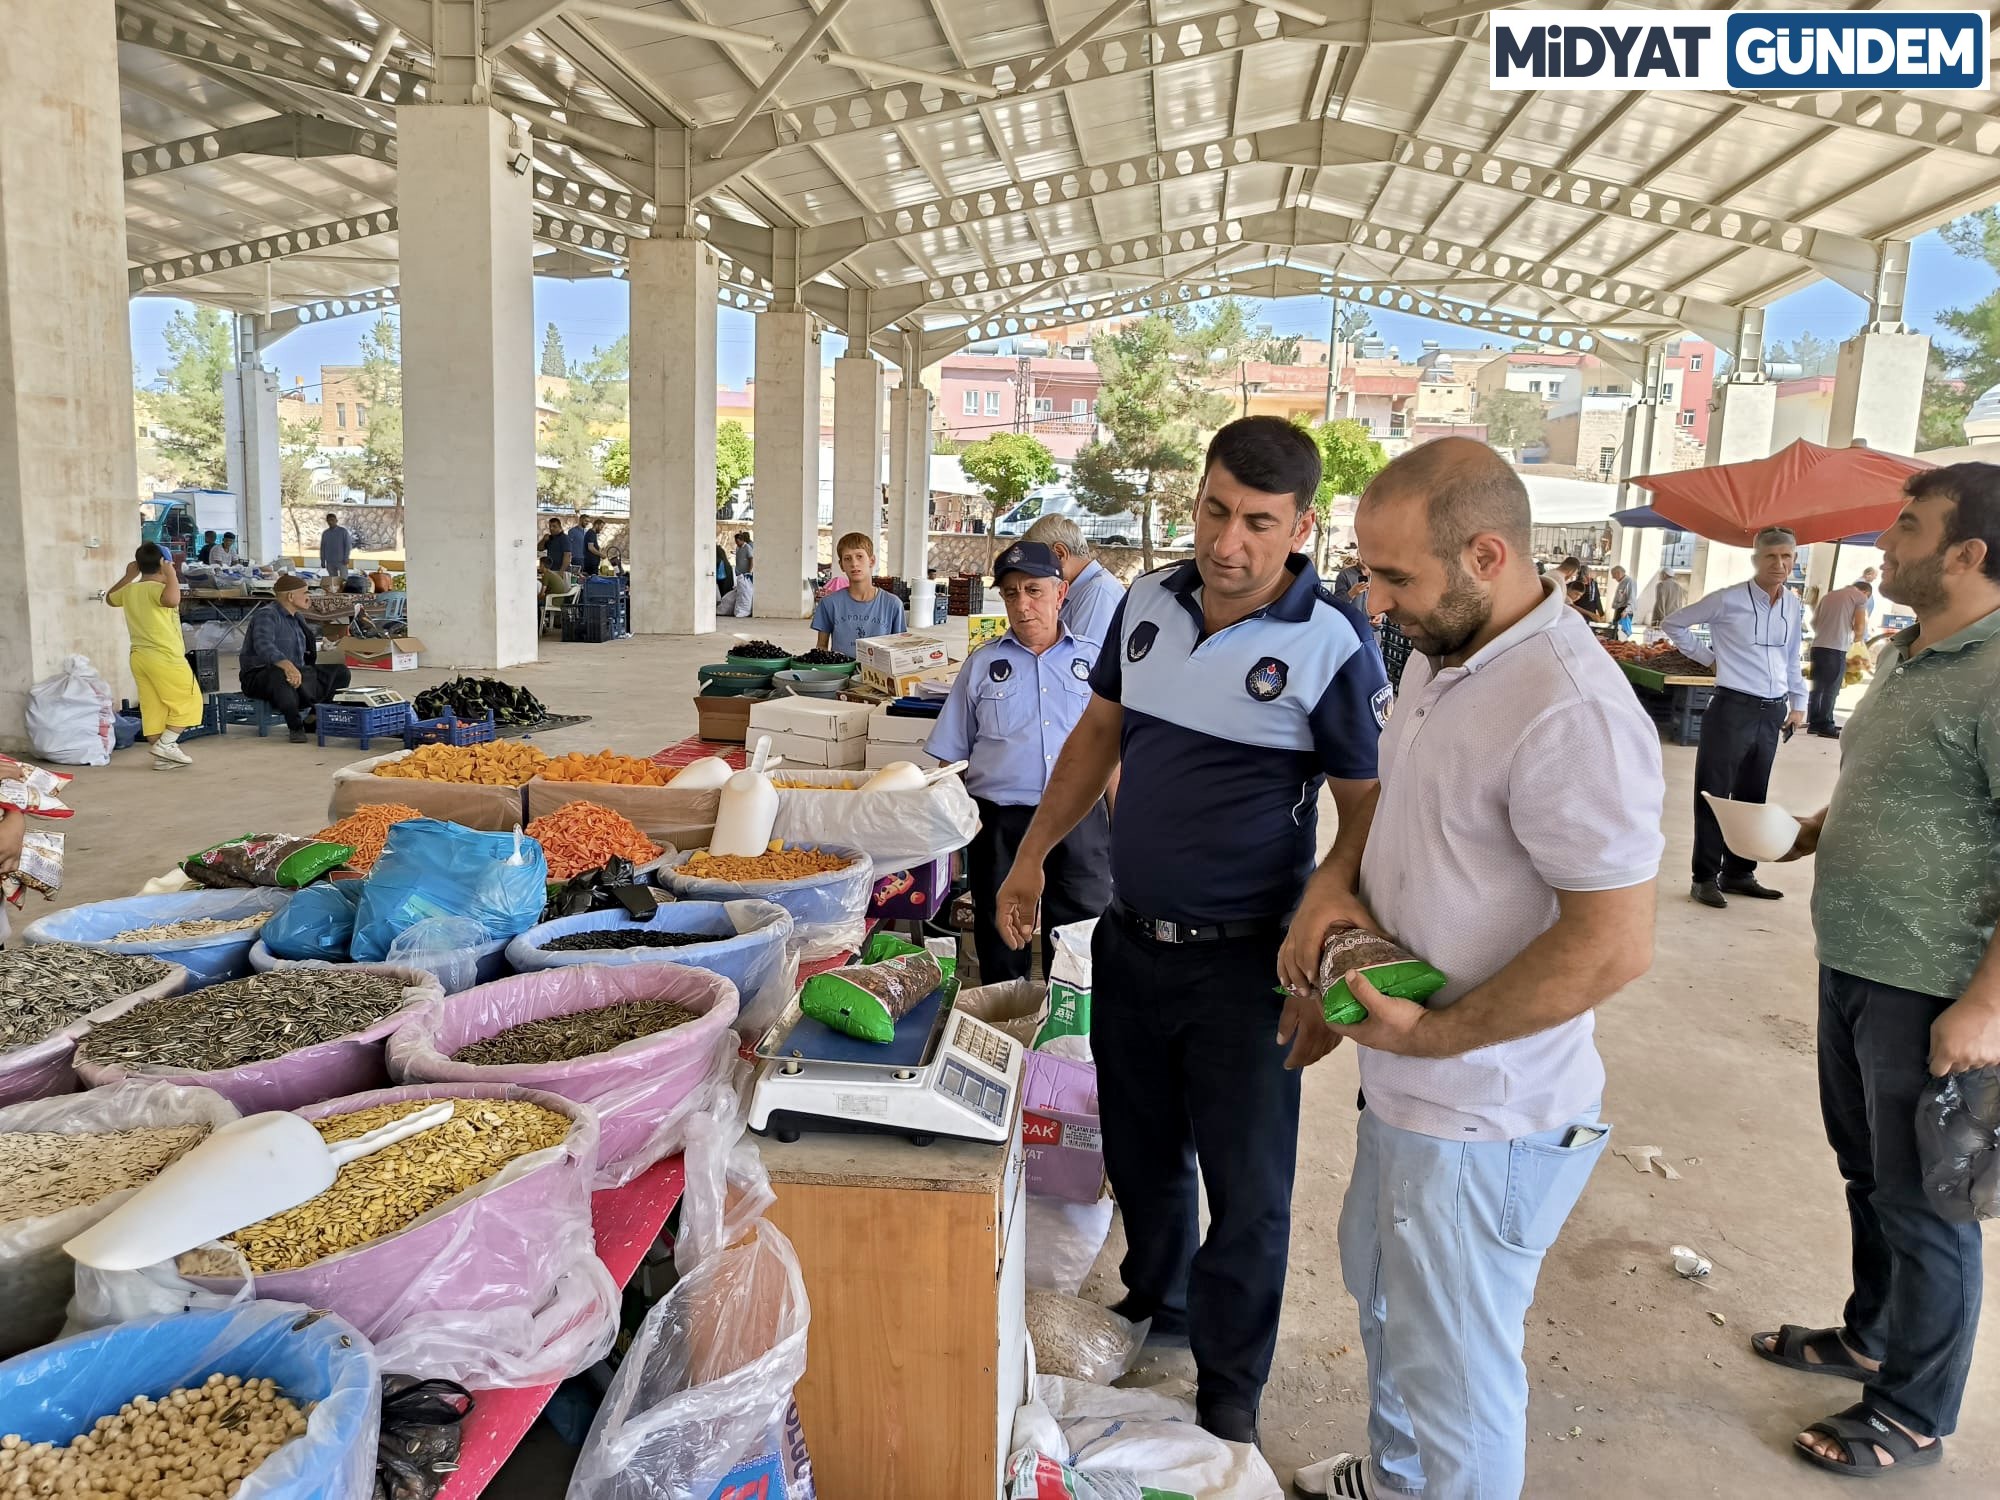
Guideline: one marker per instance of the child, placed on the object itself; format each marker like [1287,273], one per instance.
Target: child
[860,610]
[169,700]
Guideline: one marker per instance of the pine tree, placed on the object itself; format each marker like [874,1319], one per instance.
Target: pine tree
[553,362]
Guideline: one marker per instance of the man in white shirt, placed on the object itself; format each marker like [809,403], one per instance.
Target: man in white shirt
[1480,1124]
[1756,637]
[1840,621]
[1094,592]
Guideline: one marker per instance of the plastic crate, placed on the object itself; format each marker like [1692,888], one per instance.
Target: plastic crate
[592,624]
[207,668]
[241,708]
[450,730]
[357,721]
[212,719]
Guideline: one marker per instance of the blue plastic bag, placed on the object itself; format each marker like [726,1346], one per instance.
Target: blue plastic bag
[317,923]
[56,1393]
[208,960]
[434,869]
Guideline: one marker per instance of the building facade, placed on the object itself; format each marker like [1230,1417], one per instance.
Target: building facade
[1050,397]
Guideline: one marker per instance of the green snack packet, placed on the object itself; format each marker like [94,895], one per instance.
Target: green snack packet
[883,946]
[273,859]
[1389,968]
[867,1000]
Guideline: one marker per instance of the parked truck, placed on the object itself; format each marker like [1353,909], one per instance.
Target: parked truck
[176,519]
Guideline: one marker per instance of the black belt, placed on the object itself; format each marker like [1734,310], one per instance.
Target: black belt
[1162,931]
[1751,697]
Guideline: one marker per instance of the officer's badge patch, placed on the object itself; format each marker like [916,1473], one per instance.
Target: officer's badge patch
[1140,641]
[1079,669]
[1267,679]
[1000,669]
[1384,696]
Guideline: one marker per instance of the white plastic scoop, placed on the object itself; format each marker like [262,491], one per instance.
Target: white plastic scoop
[1754,830]
[241,1174]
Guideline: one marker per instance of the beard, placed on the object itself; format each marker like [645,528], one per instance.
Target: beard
[1458,616]
[1919,584]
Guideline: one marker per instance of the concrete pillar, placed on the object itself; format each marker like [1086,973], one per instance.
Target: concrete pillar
[899,468]
[1878,389]
[1741,427]
[787,463]
[912,541]
[252,450]
[68,477]
[467,246]
[857,448]
[672,550]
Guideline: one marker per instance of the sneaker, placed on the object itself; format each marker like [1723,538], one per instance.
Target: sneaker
[299,736]
[166,756]
[1344,1476]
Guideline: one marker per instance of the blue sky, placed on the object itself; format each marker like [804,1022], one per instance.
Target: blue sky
[592,313]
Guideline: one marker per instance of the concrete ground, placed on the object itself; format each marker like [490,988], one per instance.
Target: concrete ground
[1710,1058]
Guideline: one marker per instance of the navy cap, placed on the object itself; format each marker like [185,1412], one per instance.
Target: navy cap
[1033,558]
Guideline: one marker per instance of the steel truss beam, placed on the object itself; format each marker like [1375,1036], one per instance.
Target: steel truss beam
[274,326]
[296,136]
[1917,122]
[269,247]
[264,58]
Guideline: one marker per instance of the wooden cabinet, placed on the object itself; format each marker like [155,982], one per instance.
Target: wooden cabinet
[914,1262]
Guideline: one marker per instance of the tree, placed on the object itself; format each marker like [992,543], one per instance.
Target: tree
[944,445]
[575,476]
[1513,419]
[188,405]
[618,464]
[1349,458]
[298,445]
[1006,466]
[1278,351]
[1966,366]
[553,362]
[602,388]
[377,470]
[734,458]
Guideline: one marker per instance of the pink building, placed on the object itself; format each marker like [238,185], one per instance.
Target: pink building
[1053,400]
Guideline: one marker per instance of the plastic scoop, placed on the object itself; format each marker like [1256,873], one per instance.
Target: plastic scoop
[241,1174]
[938,773]
[1754,830]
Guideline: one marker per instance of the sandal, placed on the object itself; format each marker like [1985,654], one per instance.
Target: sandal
[1794,1341]
[1859,1432]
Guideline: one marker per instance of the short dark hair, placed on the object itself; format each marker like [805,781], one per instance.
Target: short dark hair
[1466,488]
[229,536]
[149,557]
[1974,493]
[1268,454]
[1572,561]
[332,519]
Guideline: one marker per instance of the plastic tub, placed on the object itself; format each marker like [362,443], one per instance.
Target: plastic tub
[733,679]
[829,910]
[208,960]
[43,1069]
[808,684]
[492,962]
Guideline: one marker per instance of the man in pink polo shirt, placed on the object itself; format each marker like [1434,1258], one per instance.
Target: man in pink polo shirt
[1514,845]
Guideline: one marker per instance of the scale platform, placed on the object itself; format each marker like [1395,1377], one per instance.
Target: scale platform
[945,1074]
[369,697]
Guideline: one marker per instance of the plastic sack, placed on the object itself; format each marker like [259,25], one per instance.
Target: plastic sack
[1015,1006]
[643,1090]
[498,1286]
[328,1070]
[752,939]
[701,1405]
[208,960]
[433,869]
[897,829]
[867,1000]
[1958,1142]
[1064,1241]
[1081,1340]
[54,1394]
[448,947]
[1069,984]
[829,911]
[421,1436]
[47,1068]
[70,716]
[316,923]
[1078,1441]
[280,859]
[36,1278]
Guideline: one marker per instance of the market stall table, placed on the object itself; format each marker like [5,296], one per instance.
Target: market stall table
[1677,700]
[627,1220]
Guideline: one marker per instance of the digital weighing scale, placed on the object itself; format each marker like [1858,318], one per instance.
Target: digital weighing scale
[945,1074]
[369,697]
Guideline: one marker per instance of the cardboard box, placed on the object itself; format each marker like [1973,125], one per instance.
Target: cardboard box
[723,718]
[879,756]
[885,728]
[912,894]
[1060,1135]
[905,684]
[371,649]
[811,718]
[803,750]
[979,629]
[393,661]
[896,655]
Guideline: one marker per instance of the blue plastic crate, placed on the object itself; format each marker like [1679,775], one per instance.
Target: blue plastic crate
[212,721]
[450,730]
[241,708]
[357,721]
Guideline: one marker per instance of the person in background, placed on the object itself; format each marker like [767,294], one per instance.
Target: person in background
[555,547]
[725,576]
[1621,601]
[740,600]
[200,554]
[1011,707]
[593,550]
[279,662]
[746,554]
[1667,593]
[1351,582]
[1905,895]
[861,610]
[1480,1124]
[1840,621]
[336,546]
[1093,592]
[1868,576]
[1755,642]
[169,698]
[223,553]
[1593,598]
[1573,591]
[577,539]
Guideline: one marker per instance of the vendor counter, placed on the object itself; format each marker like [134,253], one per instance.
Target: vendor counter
[915,1265]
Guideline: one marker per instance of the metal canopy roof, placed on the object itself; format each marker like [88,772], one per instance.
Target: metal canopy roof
[955,169]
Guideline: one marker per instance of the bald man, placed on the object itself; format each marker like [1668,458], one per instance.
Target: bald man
[1481,1120]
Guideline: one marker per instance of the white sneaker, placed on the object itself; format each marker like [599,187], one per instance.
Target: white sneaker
[166,757]
[1344,1476]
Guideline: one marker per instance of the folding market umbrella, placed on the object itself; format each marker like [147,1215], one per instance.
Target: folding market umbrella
[1822,494]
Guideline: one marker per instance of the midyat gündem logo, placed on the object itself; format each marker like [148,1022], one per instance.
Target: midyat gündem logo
[1776,50]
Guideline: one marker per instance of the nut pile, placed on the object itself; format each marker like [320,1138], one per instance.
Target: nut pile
[496,763]
[244,1021]
[759,651]
[43,989]
[776,863]
[580,1034]
[44,1171]
[191,927]
[627,937]
[385,1192]
[188,1445]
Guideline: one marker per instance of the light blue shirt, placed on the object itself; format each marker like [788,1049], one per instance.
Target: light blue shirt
[1092,600]
[1753,644]
[1009,713]
[846,619]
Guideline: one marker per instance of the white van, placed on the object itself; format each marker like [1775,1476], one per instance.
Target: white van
[1120,530]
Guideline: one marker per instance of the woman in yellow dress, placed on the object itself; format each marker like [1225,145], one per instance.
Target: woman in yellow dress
[169,699]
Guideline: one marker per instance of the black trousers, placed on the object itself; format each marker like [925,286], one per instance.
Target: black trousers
[317,684]
[1916,1276]
[1189,1070]
[1829,671]
[1739,741]
[1076,884]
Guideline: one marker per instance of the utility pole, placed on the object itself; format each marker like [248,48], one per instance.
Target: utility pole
[1332,357]
[1024,396]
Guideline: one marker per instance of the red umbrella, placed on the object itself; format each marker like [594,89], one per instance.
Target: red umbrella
[1822,494]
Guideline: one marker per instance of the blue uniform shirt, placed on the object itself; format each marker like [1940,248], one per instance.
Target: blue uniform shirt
[1227,739]
[1091,602]
[846,619]
[1009,713]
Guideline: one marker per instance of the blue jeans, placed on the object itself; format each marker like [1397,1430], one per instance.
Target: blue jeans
[1440,1245]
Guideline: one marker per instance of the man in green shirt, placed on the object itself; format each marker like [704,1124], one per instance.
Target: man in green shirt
[1904,902]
